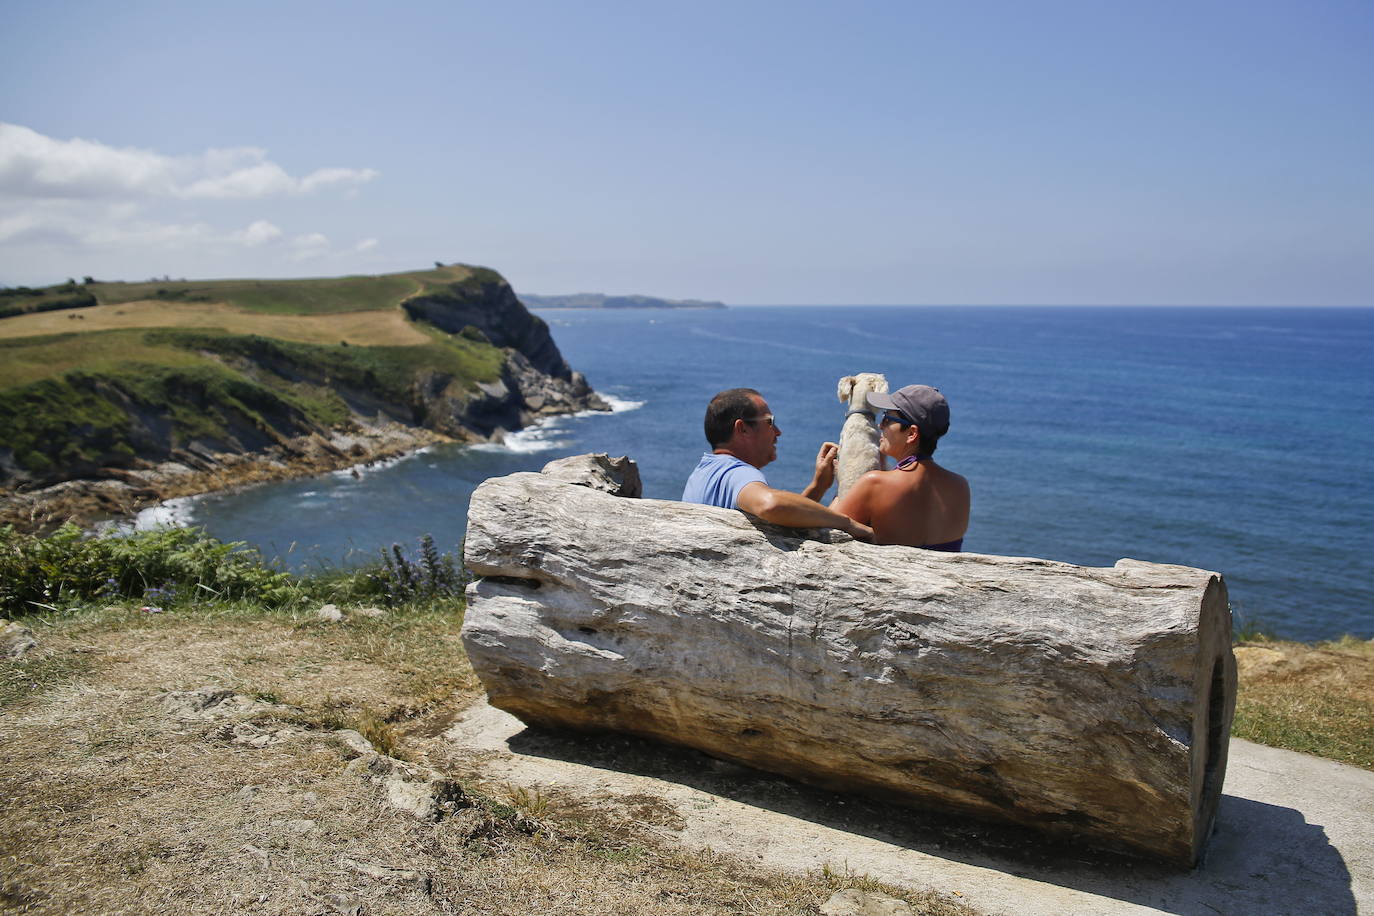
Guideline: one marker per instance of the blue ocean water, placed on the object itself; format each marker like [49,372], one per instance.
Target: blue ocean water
[1233,439]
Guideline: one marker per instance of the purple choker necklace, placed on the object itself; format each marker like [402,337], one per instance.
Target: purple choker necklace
[910,461]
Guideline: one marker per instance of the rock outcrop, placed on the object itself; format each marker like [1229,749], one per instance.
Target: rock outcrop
[521,396]
[616,476]
[1091,703]
[536,381]
[16,640]
[486,303]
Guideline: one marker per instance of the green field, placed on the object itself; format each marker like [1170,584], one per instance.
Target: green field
[24,360]
[313,296]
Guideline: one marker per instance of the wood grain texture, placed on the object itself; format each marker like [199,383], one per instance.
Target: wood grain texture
[1092,703]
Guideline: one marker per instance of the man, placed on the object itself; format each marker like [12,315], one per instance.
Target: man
[743,436]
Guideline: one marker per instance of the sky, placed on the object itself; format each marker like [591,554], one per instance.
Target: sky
[906,152]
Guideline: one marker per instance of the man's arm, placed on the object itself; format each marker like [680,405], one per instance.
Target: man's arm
[796,511]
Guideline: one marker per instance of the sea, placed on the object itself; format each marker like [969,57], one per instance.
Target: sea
[1239,440]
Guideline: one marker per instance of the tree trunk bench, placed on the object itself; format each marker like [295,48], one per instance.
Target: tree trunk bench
[1090,703]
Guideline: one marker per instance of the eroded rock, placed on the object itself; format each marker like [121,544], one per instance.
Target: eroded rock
[354,743]
[206,703]
[854,902]
[425,794]
[616,476]
[403,876]
[16,640]
[252,734]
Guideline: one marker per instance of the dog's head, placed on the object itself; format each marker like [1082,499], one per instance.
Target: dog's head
[855,388]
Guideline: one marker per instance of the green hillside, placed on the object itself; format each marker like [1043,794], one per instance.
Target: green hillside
[127,370]
[314,296]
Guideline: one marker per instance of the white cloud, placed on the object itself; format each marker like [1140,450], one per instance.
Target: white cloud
[365,245]
[77,200]
[36,166]
[115,226]
[321,178]
[257,233]
[265,179]
[311,245]
[146,233]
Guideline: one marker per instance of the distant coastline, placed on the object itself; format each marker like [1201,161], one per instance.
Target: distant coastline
[603,301]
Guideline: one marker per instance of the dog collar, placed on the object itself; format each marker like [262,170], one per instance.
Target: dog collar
[861,412]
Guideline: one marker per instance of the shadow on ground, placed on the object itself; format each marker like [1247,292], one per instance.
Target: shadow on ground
[1260,855]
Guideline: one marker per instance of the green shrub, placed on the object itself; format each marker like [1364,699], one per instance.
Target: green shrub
[52,298]
[35,462]
[396,578]
[165,567]
[74,299]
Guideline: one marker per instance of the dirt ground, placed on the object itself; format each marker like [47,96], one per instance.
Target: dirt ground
[189,764]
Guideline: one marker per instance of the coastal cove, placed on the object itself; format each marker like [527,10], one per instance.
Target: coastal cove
[1224,438]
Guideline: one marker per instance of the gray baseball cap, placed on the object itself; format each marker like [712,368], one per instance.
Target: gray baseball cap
[923,405]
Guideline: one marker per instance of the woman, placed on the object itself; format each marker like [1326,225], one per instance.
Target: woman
[918,503]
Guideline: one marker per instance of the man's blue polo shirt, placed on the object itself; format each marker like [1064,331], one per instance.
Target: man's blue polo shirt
[718,479]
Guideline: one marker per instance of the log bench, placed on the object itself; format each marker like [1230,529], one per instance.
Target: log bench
[1090,703]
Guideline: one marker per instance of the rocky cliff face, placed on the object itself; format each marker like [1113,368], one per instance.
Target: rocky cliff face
[535,381]
[522,396]
[487,303]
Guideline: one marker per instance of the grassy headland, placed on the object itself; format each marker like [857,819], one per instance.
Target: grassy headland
[105,375]
[311,296]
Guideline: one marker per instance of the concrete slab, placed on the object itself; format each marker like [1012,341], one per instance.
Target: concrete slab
[1295,834]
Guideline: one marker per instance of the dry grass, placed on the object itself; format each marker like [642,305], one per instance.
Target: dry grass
[112,803]
[1315,699]
[379,327]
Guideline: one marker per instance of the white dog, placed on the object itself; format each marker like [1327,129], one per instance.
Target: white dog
[859,435]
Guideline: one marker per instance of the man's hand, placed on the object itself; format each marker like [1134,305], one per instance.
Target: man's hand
[825,471]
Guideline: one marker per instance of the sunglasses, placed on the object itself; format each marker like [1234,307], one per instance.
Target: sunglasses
[895,418]
[768,418]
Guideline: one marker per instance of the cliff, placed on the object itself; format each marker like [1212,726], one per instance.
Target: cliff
[162,389]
